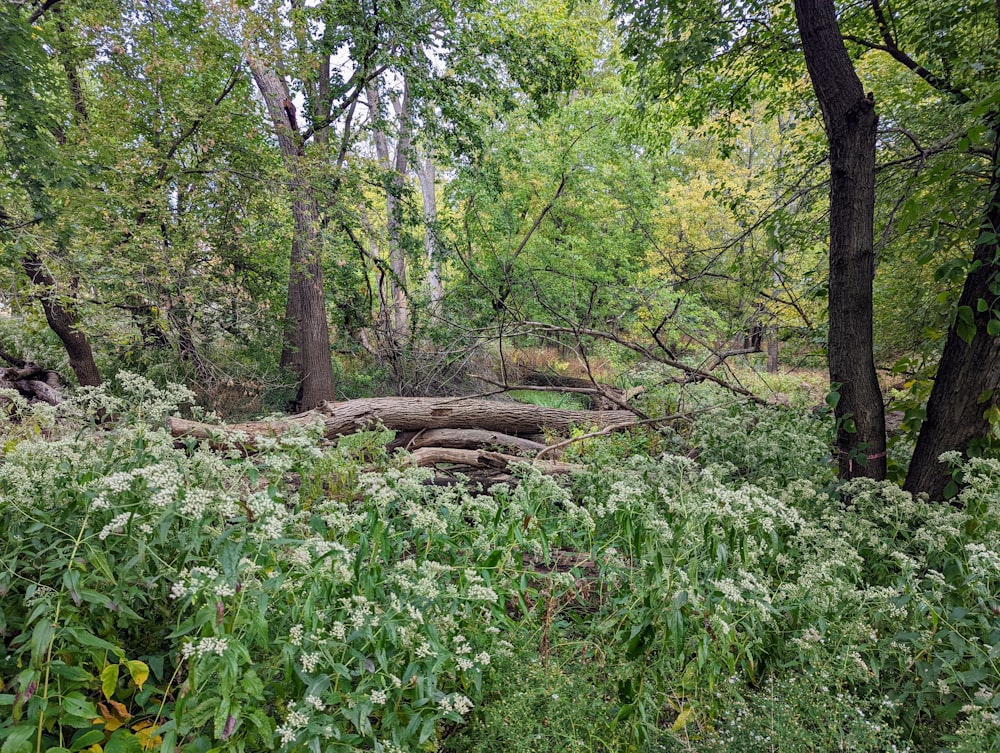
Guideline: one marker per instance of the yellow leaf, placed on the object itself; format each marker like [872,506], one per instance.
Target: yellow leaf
[95,748]
[139,671]
[109,680]
[682,718]
[144,731]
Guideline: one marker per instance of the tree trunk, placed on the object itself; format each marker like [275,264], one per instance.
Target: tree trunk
[415,414]
[470,439]
[396,166]
[425,173]
[967,385]
[850,120]
[428,456]
[306,349]
[64,320]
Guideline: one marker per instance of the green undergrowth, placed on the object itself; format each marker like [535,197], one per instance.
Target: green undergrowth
[328,598]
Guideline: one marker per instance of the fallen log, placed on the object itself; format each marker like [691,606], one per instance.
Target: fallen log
[409,414]
[430,456]
[472,439]
[32,382]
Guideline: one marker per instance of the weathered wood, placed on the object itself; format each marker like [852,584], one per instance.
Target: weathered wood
[471,439]
[411,414]
[429,456]
[32,382]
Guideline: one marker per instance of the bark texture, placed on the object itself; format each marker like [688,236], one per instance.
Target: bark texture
[412,414]
[426,176]
[306,350]
[64,320]
[395,164]
[968,377]
[850,120]
[471,439]
[428,456]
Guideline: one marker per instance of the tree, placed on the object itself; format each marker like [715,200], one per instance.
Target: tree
[35,109]
[306,346]
[951,158]
[850,120]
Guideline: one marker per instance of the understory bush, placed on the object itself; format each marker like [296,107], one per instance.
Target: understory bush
[298,595]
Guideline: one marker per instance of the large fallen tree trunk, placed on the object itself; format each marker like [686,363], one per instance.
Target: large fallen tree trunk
[410,414]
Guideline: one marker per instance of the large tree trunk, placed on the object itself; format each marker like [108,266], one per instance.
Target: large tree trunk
[850,120]
[968,377]
[64,321]
[306,350]
[415,414]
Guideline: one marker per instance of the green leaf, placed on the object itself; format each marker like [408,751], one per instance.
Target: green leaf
[993,327]
[493,560]
[109,680]
[85,638]
[73,674]
[19,739]
[77,705]
[41,639]
[84,739]
[965,326]
[123,741]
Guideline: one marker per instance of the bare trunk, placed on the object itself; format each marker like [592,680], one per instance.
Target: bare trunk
[772,351]
[850,122]
[396,166]
[64,321]
[967,386]
[425,173]
[306,349]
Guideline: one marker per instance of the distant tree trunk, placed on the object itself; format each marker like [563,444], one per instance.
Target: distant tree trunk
[64,321]
[306,349]
[772,351]
[968,377]
[425,173]
[395,165]
[850,120]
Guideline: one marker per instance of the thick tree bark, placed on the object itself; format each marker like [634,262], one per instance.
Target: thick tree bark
[306,350]
[64,320]
[968,377]
[850,120]
[413,414]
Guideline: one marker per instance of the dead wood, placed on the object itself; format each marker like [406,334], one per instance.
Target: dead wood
[472,439]
[408,414]
[32,382]
[431,456]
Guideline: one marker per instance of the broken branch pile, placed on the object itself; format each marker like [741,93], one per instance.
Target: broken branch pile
[448,431]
